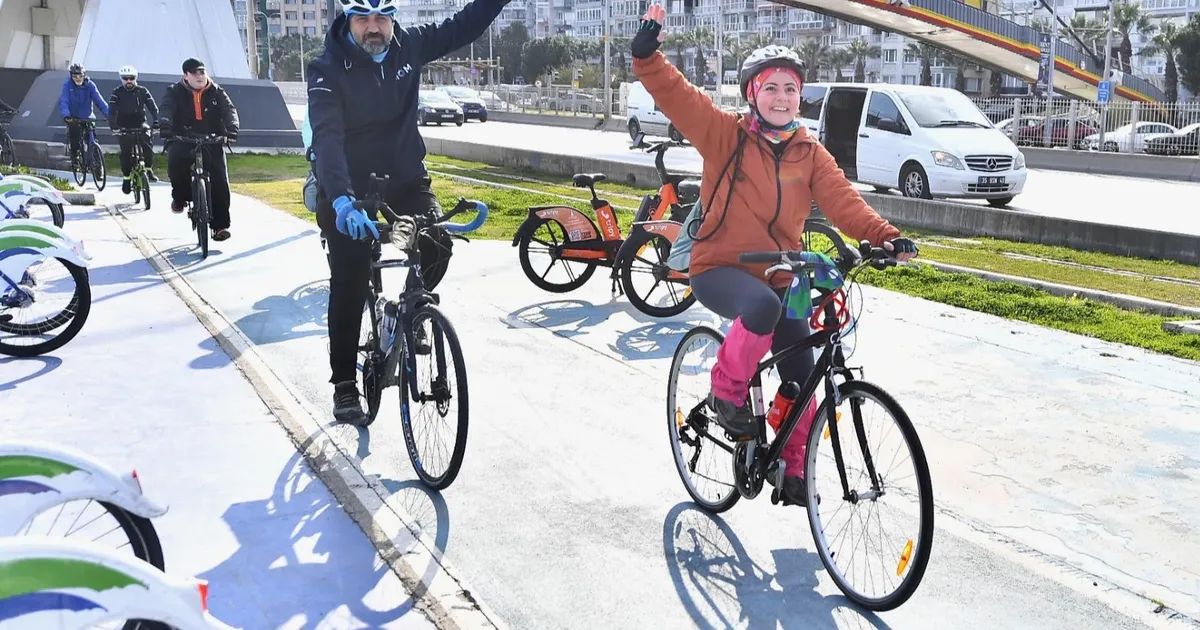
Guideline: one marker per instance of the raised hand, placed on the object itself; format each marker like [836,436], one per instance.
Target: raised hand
[650,34]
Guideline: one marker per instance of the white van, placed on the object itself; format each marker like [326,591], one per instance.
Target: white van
[645,116]
[926,141]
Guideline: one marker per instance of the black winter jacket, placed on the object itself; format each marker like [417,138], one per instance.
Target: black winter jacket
[127,107]
[364,114]
[187,112]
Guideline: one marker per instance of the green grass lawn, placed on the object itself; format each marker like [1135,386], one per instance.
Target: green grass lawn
[277,180]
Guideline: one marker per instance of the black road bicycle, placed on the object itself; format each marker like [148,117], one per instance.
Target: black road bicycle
[200,211]
[874,485]
[413,327]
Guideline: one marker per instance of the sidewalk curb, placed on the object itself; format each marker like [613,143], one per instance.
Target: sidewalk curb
[446,600]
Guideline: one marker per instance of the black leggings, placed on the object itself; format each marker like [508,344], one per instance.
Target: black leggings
[731,293]
[126,143]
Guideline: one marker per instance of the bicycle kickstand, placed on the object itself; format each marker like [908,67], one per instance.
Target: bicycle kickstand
[617,290]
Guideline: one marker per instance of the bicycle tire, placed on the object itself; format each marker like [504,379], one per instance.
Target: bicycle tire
[99,168]
[83,292]
[724,503]
[924,545]
[640,240]
[538,281]
[78,171]
[200,209]
[56,210]
[450,338]
[8,153]
[147,547]
[144,182]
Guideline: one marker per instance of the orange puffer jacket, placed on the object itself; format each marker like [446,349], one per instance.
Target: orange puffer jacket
[772,195]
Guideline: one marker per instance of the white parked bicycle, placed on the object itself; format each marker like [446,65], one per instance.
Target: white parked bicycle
[39,310]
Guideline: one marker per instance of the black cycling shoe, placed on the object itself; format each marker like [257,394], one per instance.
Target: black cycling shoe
[737,421]
[125,186]
[347,407]
[795,491]
[151,176]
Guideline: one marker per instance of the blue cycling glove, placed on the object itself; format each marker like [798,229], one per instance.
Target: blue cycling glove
[352,221]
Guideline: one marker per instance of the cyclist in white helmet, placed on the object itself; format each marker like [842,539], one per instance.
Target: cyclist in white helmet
[762,172]
[127,106]
[362,107]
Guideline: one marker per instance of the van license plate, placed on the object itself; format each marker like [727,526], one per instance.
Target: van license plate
[992,180]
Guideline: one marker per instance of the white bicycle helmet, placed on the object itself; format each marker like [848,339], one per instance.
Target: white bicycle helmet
[127,71]
[367,7]
[768,57]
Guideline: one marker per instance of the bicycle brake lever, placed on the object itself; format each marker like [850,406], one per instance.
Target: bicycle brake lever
[779,267]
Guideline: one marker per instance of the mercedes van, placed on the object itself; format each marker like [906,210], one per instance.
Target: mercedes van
[645,116]
[925,141]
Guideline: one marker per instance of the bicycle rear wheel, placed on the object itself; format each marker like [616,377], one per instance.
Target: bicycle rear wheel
[692,426]
[200,216]
[144,184]
[73,316]
[650,257]
[435,389]
[905,557]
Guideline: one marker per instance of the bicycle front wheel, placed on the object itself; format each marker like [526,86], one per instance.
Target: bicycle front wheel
[99,170]
[200,216]
[144,184]
[441,392]
[78,169]
[880,501]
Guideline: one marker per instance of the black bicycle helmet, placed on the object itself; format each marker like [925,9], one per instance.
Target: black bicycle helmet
[769,57]
[77,69]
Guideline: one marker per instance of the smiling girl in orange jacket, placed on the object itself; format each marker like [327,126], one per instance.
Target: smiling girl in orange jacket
[761,174]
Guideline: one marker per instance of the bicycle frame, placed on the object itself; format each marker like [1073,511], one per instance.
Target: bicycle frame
[86,142]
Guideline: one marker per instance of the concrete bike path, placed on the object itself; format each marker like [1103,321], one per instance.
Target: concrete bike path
[1061,464]
[145,385]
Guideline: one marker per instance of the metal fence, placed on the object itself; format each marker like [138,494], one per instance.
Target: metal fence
[1123,127]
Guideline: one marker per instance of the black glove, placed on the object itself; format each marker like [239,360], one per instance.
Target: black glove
[901,245]
[645,41]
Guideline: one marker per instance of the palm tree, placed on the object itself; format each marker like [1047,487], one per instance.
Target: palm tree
[813,52]
[1166,43]
[837,59]
[701,38]
[677,42]
[1128,18]
[862,50]
[926,54]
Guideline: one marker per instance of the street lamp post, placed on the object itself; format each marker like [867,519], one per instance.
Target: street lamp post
[607,68]
[267,31]
[1049,126]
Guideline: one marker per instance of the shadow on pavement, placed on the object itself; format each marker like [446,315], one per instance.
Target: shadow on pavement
[721,586]
[302,563]
[568,318]
[652,341]
[277,317]
[49,364]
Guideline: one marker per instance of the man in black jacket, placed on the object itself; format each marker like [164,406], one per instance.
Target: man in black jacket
[362,106]
[127,107]
[197,106]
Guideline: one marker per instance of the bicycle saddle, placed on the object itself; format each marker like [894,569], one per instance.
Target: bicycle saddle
[584,180]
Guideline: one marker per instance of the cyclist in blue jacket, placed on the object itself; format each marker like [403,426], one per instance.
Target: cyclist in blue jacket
[362,106]
[78,96]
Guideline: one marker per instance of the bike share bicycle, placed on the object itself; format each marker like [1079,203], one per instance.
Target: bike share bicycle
[757,459]
[578,239]
[89,158]
[390,359]
[139,178]
[27,246]
[200,209]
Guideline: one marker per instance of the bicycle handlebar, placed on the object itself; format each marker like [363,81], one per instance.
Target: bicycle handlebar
[422,222]
[846,261]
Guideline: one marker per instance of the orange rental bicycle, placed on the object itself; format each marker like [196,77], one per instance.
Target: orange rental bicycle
[575,243]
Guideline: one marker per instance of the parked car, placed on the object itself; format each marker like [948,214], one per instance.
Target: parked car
[646,117]
[469,100]
[1060,133]
[926,141]
[436,107]
[1186,141]
[1127,140]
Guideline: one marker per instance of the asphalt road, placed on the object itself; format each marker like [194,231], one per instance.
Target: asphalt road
[1146,203]
[1064,468]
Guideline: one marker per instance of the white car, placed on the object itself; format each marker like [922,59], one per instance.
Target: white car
[1126,140]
